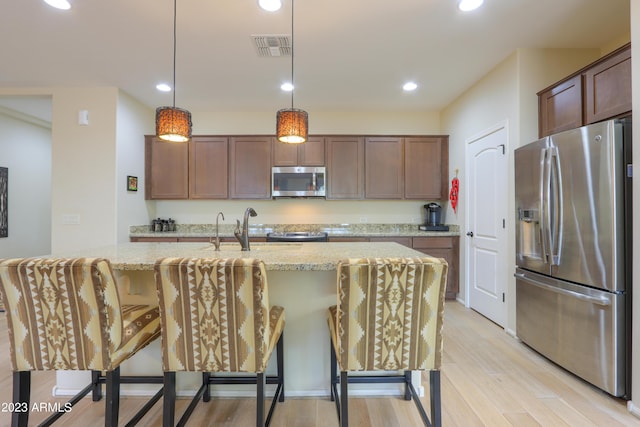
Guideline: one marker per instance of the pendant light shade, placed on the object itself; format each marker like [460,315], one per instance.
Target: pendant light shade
[173,124]
[292,124]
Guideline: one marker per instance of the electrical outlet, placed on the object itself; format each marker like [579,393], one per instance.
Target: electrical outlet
[363,219]
[71,219]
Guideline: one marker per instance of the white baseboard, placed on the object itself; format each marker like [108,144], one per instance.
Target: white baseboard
[353,391]
[633,409]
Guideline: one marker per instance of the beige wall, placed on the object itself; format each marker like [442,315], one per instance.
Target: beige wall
[83,175]
[133,121]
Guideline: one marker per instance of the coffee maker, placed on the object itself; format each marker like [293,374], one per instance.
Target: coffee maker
[433,221]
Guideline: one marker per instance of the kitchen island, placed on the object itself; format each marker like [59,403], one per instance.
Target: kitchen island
[301,278]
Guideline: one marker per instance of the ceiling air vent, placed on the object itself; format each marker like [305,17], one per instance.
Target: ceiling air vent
[272,44]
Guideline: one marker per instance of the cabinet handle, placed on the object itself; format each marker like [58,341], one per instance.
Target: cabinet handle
[470,234]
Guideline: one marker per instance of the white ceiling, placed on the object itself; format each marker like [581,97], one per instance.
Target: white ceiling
[350,55]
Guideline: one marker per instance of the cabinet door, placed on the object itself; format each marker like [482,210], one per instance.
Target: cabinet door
[166,169]
[311,153]
[608,88]
[284,154]
[250,167]
[345,167]
[426,168]
[208,168]
[447,248]
[560,107]
[384,168]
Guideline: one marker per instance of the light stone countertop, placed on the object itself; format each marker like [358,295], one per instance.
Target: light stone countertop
[261,230]
[283,256]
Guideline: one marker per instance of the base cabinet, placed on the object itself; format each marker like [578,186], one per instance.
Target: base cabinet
[447,248]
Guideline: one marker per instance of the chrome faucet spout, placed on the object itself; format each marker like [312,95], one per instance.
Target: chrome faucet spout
[216,242]
[243,235]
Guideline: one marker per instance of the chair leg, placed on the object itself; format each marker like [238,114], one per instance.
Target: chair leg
[21,394]
[407,385]
[334,371]
[435,399]
[206,394]
[112,405]
[260,383]
[96,392]
[169,401]
[280,365]
[344,404]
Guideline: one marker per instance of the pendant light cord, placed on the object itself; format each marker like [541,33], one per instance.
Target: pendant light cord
[175,9]
[292,81]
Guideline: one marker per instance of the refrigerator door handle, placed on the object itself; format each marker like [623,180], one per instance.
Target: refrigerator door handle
[545,196]
[593,300]
[556,227]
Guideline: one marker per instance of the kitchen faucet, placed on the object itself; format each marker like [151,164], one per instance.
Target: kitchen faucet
[216,242]
[243,235]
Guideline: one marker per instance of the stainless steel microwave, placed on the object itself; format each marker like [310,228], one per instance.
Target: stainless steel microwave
[298,181]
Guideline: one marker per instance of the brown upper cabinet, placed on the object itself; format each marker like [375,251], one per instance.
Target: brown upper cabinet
[250,167]
[239,167]
[345,167]
[193,170]
[560,107]
[384,168]
[166,169]
[608,87]
[407,168]
[311,153]
[426,168]
[600,91]
[208,167]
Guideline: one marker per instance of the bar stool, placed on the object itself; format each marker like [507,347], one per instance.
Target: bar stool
[389,318]
[215,318]
[65,314]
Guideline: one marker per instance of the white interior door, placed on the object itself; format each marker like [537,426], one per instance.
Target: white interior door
[486,223]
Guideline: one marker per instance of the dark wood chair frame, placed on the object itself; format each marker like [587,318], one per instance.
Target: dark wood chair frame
[342,400]
[112,381]
[260,379]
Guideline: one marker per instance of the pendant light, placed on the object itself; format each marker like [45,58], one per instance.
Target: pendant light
[173,124]
[292,124]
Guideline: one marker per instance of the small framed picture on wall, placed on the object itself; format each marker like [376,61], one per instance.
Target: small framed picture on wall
[132,183]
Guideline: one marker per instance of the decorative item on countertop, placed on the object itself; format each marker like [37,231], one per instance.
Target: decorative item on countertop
[453,193]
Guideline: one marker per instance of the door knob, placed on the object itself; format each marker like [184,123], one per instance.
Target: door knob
[470,234]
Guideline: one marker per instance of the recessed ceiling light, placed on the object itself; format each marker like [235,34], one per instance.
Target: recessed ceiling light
[270,5]
[409,86]
[287,87]
[59,4]
[163,87]
[467,5]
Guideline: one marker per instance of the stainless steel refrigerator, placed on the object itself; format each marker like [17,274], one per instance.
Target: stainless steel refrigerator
[573,251]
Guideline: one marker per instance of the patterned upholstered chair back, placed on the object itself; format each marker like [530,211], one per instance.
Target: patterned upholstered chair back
[61,313]
[215,314]
[390,313]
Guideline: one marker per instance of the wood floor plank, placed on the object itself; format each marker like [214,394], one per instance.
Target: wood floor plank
[488,378]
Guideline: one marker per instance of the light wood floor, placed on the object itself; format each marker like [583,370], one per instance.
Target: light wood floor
[488,379]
